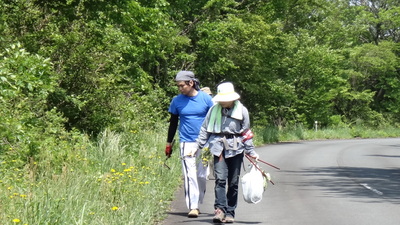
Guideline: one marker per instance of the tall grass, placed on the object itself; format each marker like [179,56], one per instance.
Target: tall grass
[270,134]
[118,180]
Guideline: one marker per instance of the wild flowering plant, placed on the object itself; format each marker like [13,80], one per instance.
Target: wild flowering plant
[108,181]
[206,156]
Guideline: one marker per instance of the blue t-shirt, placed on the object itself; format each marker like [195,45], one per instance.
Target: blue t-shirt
[191,111]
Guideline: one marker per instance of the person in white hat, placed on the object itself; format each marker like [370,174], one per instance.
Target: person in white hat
[189,108]
[226,129]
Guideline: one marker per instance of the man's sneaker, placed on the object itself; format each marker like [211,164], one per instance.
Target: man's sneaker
[229,219]
[194,213]
[219,216]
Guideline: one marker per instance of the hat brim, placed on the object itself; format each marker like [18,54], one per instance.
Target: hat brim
[226,98]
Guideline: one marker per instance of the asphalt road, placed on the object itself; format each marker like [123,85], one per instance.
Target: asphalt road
[336,182]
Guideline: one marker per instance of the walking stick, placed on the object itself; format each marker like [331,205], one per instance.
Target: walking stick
[262,172]
[269,164]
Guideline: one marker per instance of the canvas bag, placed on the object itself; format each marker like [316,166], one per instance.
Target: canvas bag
[253,186]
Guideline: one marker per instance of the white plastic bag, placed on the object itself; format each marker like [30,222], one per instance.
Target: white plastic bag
[253,186]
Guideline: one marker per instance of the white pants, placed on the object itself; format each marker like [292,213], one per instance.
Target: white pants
[194,173]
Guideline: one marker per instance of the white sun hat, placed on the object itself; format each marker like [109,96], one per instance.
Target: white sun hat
[226,93]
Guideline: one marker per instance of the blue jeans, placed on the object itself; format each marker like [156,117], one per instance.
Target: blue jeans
[227,171]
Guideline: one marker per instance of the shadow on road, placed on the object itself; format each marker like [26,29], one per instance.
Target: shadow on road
[386,156]
[374,184]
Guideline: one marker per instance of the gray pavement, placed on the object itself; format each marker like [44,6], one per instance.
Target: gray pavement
[178,212]
[335,182]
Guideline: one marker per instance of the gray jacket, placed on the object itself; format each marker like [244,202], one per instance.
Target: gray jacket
[230,138]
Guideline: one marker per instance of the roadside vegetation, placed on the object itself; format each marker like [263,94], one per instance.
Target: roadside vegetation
[118,179]
[85,87]
[269,135]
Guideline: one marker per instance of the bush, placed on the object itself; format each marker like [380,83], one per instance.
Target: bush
[268,134]
[26,81]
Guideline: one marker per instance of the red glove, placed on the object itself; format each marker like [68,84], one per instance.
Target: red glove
[168,150]
[247,135]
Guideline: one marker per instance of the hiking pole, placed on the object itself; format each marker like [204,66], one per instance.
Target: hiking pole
[269,164]
[167,157]
[262,172]
[165,163]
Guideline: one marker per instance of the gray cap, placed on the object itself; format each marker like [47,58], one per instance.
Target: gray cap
[184,76]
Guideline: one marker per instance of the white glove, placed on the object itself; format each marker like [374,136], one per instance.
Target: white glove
[255,156]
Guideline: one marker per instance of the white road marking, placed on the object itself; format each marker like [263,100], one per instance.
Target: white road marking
[372,189]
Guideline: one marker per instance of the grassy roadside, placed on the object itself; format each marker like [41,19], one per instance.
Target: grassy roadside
[120,179]
[266,135]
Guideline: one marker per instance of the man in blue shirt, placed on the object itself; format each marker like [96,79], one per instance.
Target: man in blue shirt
[189,109]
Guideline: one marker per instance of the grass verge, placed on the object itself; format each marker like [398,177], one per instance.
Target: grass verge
[119,180]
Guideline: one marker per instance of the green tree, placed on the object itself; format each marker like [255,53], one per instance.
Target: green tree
[379,68]
[382,19]
[26,80]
